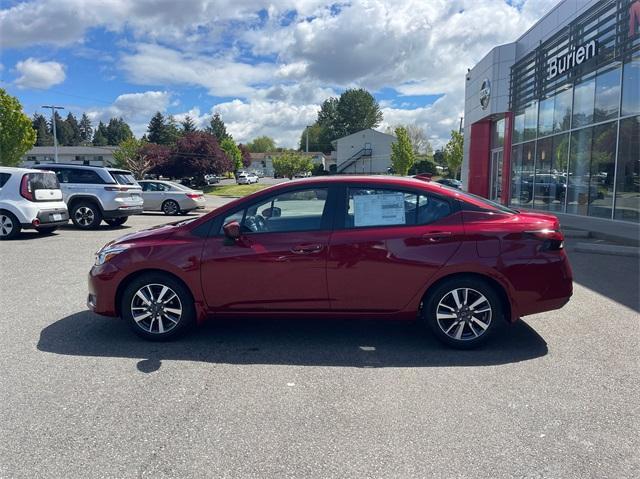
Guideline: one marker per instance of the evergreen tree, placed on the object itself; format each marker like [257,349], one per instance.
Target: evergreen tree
[74,128]
[100,135]
[86,130]
[173,131]
[43,137]
[117,131]
[64,133]
[157,130]
[217,128]
[188,125]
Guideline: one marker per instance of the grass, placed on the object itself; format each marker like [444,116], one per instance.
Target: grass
[234,190]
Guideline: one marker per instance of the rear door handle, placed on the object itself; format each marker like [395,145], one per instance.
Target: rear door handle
[437,235]
[307,248]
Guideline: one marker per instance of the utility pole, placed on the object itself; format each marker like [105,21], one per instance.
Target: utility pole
[307,128]
[460,128]
[53,125]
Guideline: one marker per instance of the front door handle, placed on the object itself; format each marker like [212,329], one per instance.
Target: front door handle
[307,248]
[434,236]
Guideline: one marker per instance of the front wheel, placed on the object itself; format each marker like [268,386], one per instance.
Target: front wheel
[117,221]
[462,312]
[157,306]
[170,208]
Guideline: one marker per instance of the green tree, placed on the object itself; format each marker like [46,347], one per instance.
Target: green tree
[402,155]
[262,144]
[453,153]
[314,131]
[188,125]
[291,163]
[43,137]
[86,129]
[157,130]
[357,110]
[217,128]
[75,137]
[233,152]
[64,133]
[173,130]
[17,135]
[117,131]
[133,155]
[100,135]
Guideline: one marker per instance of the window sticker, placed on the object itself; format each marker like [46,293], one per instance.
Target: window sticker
[379,209]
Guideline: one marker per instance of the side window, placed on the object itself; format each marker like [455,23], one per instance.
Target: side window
[4,177]
[378,207]
[163,187]
[300,210]
[87,177]
[144,186]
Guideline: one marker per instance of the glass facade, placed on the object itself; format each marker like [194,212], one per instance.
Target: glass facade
[576,136]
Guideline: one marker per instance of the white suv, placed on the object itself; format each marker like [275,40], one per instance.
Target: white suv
[96,193]
[246,178]
[30,199]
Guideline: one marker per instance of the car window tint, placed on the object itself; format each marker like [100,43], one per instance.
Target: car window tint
[300,210]
[381,207]
[123,178]
[4,177]
[84,177]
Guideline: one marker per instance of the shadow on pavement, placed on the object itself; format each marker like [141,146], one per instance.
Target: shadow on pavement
[351,343]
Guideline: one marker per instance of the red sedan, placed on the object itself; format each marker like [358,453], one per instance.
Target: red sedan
[361,247]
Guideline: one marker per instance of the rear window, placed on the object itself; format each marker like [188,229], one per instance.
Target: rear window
[4,177]
[483,203]
[43,181]
[123,177]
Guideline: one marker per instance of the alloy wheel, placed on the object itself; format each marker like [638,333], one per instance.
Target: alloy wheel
[6,225]
[170,208]
[84,216]
[464,314]
[156,308]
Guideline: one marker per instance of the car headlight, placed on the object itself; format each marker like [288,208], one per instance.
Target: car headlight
[108,252]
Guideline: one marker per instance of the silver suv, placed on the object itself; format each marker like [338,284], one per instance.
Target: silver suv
[96,193]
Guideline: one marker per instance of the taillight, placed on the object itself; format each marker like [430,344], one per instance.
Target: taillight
[116,188]
[25,188]
[193,196]
[552,240]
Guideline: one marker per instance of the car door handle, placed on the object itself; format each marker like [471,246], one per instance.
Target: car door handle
[307,248]
[437,235]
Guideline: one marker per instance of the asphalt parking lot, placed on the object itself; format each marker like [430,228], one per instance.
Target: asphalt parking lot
[555,395]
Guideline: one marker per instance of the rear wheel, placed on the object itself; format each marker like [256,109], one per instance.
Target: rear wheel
[9,226]
[157,306]
[86,215]
[117,221]
[462,312]
[170,207]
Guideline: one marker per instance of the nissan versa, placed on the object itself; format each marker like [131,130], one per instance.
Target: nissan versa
[361,247]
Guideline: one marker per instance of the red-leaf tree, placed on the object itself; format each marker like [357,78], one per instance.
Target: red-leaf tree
[194,155]
[246,155]
[158,155]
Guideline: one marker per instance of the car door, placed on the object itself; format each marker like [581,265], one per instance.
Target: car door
[153,195]
[387,245]
[279,262]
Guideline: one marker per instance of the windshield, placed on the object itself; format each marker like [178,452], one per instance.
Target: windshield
[123,177]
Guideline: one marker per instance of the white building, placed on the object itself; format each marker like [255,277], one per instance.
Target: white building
[364,152]
[90,155]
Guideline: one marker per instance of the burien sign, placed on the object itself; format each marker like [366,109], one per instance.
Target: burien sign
[563,63]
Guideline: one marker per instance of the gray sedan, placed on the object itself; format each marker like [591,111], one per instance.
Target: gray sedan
[170,198]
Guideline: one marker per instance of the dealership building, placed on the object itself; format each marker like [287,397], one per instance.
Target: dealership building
[552,120]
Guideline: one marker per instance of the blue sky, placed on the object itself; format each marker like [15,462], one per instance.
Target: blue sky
[264,67]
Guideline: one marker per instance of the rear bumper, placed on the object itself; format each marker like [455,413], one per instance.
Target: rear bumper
[121,212]
[49,217]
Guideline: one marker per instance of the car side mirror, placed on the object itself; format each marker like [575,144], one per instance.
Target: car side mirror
[232,230]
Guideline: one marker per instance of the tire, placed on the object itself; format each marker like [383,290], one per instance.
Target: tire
[86,215]
[117,221]
[170,208]
[46,230]
[9,226]
[160,324]
[469,327]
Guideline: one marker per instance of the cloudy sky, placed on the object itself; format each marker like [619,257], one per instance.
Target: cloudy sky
[264,66]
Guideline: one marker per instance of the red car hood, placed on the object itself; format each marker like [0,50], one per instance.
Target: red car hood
[156,232]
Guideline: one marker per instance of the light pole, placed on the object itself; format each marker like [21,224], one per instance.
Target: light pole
[307,128]
[53,124]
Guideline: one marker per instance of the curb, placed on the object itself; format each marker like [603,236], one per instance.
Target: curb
[569,233]
[616,250]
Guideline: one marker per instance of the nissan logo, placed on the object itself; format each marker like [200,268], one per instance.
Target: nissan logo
[485,93]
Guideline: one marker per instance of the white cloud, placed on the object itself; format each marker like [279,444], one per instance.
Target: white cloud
[41,75]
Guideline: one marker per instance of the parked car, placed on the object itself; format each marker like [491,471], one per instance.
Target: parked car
[362,247]
[246,178]
[30,199]
[170,198]
[211,179]
[453,183]
[96,193]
